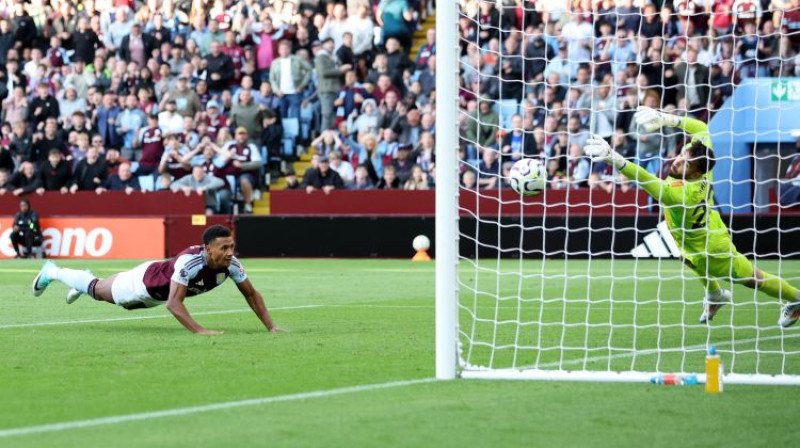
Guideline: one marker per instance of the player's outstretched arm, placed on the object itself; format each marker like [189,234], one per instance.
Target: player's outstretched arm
[177,294]
[600,151]
[256,302]
[653,120]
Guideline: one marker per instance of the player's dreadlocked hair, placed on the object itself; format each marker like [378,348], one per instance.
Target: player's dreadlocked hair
[215,232]
[701,156]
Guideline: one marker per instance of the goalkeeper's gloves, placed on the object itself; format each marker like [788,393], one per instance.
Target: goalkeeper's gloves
[653,120]
[600,151]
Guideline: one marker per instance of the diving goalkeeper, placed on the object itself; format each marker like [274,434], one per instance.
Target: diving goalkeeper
[688,202]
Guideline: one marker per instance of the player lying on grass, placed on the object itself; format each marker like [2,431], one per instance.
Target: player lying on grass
[196,270]
[688,202]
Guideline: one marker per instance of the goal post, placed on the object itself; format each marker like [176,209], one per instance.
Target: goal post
[446,238]
[584,282]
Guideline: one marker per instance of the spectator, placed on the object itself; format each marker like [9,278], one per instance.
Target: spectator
[15,107]
[26,230]
[648,143]
[202,184]
[130,122]
[85,41]
[220,69]
[517,144]
[367,121]
[350,97]
[693,84]
[330,82]
[114,33]
[335,25]
[25,180]
[247,161]
[289,76]
[578,167]
[151,142]
[6,158]
[70,104]
[5,182]
[489,170]
[389,181]
[121,181]
[344,169]
[6,40]
[42,107]
[361,180]
[393,18]
[418,180]
[55,173]
[247,114]
[362,27]
[90,172]
[21,145]
[187,101]
[789,187]
[482,125]
[323,178]
[44,142]
[291,180]
[106,121]
[170,121]
[114,160]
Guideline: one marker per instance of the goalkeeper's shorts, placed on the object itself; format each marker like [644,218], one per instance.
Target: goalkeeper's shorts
[735,267]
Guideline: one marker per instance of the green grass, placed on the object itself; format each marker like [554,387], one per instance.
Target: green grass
[372,322]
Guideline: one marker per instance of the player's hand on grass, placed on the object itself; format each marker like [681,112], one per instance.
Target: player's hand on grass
[653,120]
[600,151]
[279,330]
[209,332]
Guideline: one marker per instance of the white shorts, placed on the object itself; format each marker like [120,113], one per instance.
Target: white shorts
[128,290]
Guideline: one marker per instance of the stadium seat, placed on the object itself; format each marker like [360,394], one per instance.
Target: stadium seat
[291,130]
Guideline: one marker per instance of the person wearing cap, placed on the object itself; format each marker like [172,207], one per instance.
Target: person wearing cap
[214,119]
[560,64]
[187,102]
[323,178]
[331,80]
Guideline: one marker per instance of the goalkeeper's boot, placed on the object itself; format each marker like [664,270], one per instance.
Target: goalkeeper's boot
[42,281]
[712,303]
[74,294]
[789,315]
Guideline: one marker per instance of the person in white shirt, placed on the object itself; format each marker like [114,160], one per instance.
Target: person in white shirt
[344,169]
[170,121]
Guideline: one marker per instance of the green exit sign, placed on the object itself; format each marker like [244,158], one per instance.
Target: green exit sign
[784,90]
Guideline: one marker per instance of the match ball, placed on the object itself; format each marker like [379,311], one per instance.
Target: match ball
[528,177]
[421,242]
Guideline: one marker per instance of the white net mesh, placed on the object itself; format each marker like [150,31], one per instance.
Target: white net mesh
[586,277]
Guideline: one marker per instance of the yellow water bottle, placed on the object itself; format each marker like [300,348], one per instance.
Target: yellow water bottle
[713,372]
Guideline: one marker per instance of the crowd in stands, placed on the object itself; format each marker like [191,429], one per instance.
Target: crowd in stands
[539,77]
[209,96]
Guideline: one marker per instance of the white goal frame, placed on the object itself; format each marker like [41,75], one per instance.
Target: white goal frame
[448,363]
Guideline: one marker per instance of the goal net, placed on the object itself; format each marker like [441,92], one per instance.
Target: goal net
[584,281]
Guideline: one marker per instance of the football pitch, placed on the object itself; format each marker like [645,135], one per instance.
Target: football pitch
[357,367]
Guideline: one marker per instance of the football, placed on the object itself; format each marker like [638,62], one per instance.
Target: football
[528,177]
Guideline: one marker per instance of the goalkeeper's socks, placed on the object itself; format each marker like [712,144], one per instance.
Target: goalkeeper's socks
[80,280]
[713,288]
[779,288]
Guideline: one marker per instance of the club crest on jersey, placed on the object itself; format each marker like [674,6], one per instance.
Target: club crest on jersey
[220,277]
[184,274]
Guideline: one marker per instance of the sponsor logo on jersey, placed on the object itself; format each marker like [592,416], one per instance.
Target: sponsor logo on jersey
[677,183]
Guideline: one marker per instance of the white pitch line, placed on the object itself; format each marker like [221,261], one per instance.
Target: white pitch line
[160,316]
[654,351]
[52,427]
